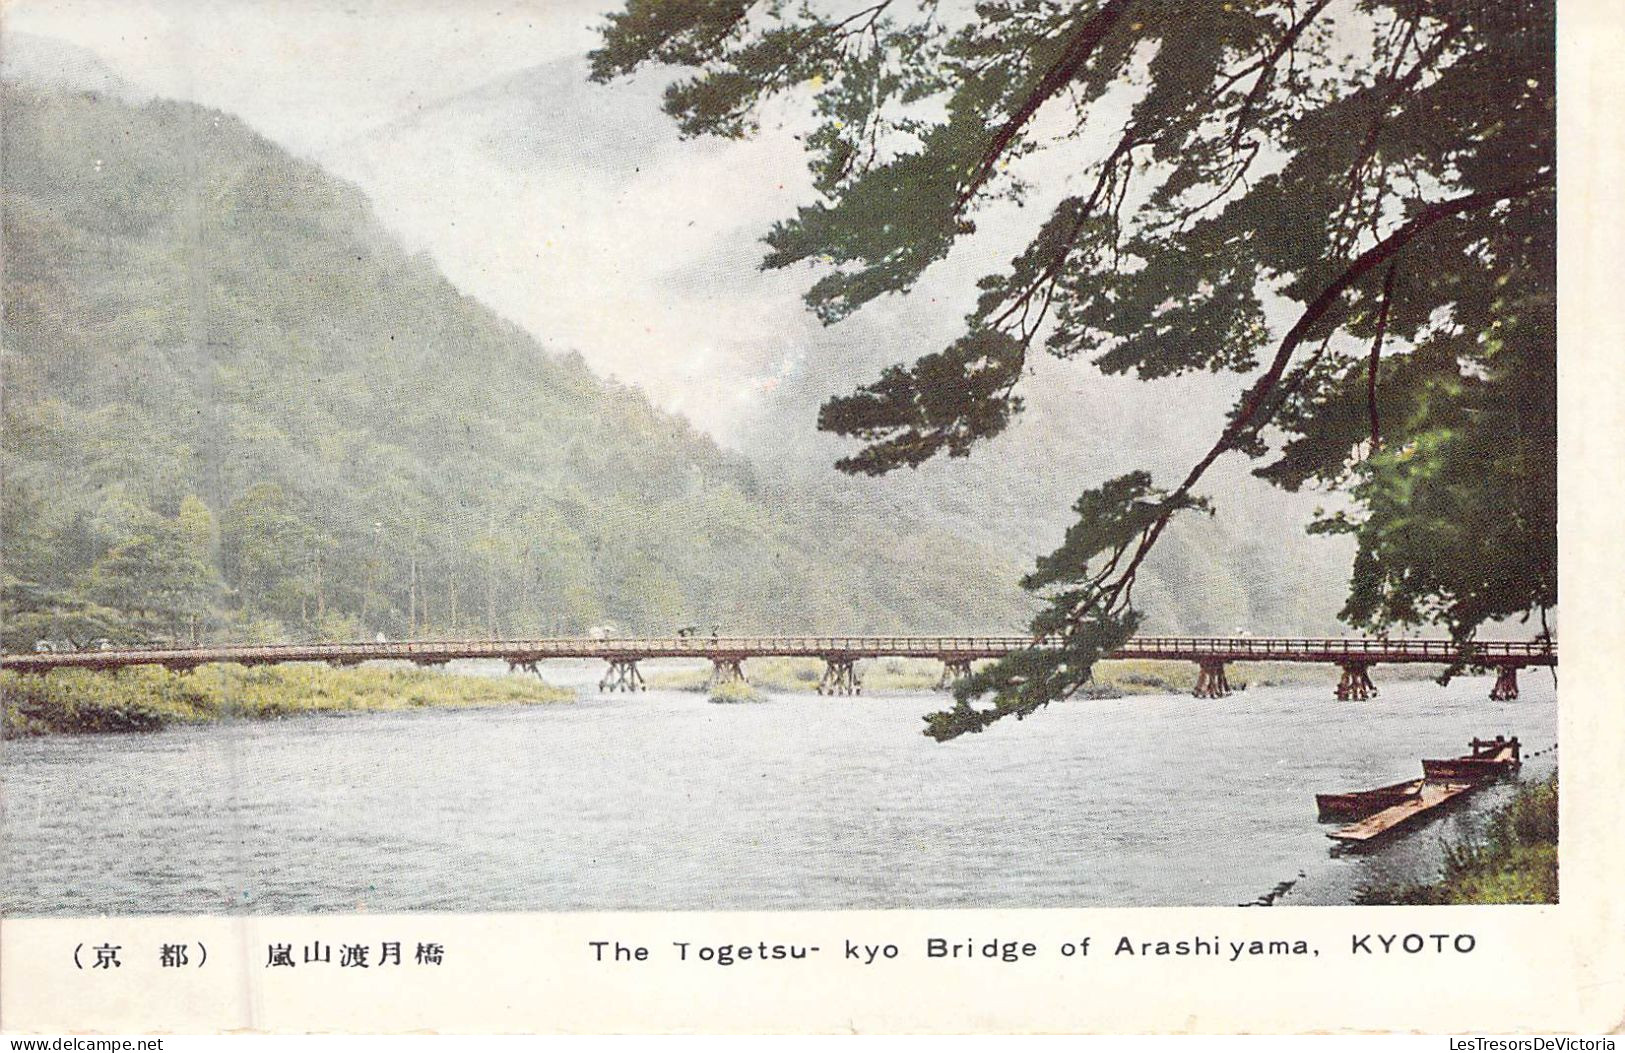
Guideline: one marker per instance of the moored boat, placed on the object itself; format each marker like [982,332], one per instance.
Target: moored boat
[1357,804]
[1429,799]
[1489,759]
[1386,809]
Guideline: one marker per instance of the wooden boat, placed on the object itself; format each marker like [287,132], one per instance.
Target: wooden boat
[1489,759]
[1357,804]
[1386,809]
[1429,798]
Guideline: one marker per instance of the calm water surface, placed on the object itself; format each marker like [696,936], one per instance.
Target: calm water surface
[665,801]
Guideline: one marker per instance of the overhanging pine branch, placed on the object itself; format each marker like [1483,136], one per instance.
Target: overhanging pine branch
[1061,73]
[1250,416]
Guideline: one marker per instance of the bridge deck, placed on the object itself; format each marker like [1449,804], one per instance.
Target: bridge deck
[1348,650]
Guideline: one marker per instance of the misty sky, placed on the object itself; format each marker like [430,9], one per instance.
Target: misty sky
[572,208]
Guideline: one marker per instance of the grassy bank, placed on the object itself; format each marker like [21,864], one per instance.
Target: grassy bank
[1514,861]
[147,699]
[734,691]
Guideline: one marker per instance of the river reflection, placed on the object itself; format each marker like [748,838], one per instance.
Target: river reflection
[665,801]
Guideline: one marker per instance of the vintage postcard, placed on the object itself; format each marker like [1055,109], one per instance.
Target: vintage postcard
[855,515]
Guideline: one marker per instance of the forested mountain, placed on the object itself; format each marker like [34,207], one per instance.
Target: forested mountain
[235,407]
[546,132]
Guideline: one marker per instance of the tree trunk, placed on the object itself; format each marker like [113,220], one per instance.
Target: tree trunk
[412,595]
[321,595]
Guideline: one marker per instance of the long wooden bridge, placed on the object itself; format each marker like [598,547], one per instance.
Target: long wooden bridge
[840,654]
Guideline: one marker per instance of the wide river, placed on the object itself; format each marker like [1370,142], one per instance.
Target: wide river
[663,801]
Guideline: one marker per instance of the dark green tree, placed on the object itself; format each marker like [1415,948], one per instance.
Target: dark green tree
[38,598]
[162,579]
[272,553]
[1380,171]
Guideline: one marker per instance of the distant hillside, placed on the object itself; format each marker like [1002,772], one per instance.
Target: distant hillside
[1251,566]
[235,406]
[47,62]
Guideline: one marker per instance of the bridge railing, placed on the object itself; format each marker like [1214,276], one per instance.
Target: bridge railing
[945,647]
[1445,650]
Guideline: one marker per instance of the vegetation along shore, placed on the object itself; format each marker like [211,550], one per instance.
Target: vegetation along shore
[147,699]
[736,691]
[1513,861]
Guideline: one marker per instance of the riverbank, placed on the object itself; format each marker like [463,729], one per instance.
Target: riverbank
[70,702]
[1114,679]
[1514,861]
[735,691]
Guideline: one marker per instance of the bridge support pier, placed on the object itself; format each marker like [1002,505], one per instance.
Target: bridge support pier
[517,665]
[1211,681]
[623,675]
[840,677]
[1506,684]
[1356,685]
[726,671]
[953,671]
